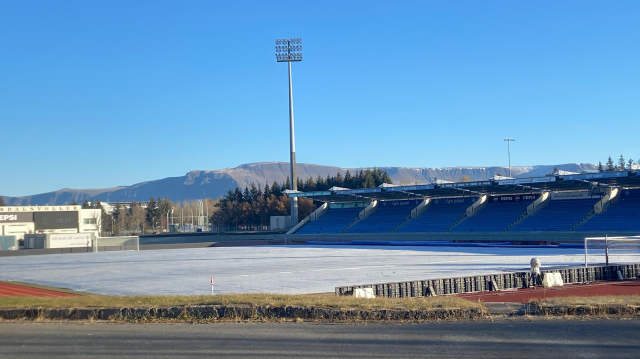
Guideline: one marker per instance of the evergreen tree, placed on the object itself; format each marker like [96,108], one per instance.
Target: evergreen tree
[330,181]
[276,189]
[600,168]
[621,164]
[238,195]
[152,212]
[386,178]
[321,184]
[310,185]
[267,190]
[246,195]
[287,184]
[377,176]
[610,166]
[339,181]
[348,179]
[85,204]
[630,164]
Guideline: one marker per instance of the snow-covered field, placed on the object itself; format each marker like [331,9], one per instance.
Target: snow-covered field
[269,269]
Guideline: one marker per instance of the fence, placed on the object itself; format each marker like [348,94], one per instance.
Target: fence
[485,283]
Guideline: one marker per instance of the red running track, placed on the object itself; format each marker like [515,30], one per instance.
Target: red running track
[13,290]
[627,287]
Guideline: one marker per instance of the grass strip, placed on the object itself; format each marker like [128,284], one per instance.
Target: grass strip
[308,300]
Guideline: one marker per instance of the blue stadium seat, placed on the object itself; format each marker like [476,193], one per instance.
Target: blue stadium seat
[495,217]
[332,221]
[623,215]
[441,214]
[558,215]
[383,220]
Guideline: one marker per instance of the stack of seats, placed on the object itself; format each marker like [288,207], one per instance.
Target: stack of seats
[332,221]
[621,216]
[495,217]
[438,217]
[383,220]
[558,215]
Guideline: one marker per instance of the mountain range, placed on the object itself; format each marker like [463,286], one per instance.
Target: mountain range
[215,183]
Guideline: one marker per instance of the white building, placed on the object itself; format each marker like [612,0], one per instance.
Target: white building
[20,220]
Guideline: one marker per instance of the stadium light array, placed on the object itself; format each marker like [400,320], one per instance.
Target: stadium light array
[290,50]
[509,140]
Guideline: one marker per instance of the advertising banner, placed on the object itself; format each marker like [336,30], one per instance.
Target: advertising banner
[449,201]
[466,184]
[408,203]
[55,220]
[527,180]
[572,195]
[349,205]
[588,176]
[410,188]
[69,240]
[16,217]
[514,198]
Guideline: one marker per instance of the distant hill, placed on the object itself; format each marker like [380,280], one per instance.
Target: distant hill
[215,183]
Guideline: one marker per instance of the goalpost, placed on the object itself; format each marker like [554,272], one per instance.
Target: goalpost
[626,246]
[123,243]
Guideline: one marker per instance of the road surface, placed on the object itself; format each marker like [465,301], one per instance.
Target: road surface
[540,338]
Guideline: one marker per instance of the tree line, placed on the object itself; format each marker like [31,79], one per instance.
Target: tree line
[253,207]
[621,165]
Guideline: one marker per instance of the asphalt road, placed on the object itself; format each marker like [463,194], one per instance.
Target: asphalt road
[540,338]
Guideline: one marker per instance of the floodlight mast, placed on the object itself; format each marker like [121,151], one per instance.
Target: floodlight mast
[509,140]
[290,50]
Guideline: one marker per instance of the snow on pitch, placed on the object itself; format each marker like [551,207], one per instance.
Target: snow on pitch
[267,269]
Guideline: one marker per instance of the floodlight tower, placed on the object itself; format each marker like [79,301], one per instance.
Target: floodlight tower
[509,140]
[290,50]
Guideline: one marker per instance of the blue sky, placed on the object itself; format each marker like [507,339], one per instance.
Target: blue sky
[99,94]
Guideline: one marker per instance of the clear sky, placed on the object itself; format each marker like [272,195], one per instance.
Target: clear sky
[98,94]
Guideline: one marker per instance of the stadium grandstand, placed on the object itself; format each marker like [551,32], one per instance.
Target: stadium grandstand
[589,202]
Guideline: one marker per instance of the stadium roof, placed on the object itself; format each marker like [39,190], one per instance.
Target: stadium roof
[572,182]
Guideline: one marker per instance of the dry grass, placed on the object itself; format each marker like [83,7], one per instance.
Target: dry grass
[633,300]
[314,300]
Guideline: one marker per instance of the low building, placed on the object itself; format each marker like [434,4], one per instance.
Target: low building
[20,220]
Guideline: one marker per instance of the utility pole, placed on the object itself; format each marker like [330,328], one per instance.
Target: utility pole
[290,50]
[509,140]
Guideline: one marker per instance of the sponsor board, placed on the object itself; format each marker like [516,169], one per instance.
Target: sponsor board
[527,180]
[572,195]
[349,205]
[586,176]
[460,200]
[409,188]
[465,184]
[16,217]
[514,198]
[411,203]
[69,240]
